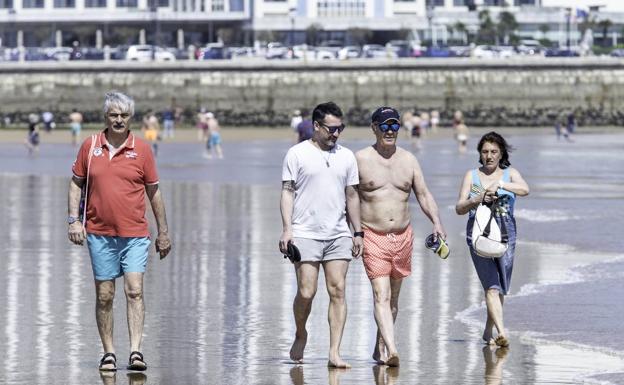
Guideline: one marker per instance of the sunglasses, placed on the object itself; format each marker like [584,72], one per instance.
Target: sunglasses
[384,127]
[333,129]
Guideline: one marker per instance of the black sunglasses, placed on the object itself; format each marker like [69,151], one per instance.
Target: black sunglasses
[333,129]
[384,127]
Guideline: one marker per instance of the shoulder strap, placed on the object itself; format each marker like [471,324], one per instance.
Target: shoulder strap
[84,214]
[506,177]
[475,177]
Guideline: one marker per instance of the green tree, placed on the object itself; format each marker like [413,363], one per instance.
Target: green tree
[461,29]
[605,24]
[359,36]
[487,28]
[313,34]
[506,27]
[544,29]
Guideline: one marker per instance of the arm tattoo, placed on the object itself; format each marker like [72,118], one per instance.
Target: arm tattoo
[288,185]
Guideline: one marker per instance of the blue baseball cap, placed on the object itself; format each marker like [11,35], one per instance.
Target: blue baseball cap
[383,114]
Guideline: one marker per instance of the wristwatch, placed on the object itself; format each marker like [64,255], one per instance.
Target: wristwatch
[358,234]
[71,220]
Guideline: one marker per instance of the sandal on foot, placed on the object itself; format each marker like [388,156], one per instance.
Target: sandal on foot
[108,359]
[136,362]
[502,341]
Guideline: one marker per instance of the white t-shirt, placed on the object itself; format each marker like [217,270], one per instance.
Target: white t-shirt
[320,201]
[294,122]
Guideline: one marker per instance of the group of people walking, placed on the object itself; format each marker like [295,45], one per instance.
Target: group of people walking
[327,191]
[335,206]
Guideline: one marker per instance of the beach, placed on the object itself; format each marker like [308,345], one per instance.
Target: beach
[219,308]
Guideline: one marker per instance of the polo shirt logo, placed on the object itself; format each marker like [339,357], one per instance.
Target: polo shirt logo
[131,154]
[97,151]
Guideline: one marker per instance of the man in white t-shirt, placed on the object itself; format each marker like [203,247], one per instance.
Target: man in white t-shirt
[319,194]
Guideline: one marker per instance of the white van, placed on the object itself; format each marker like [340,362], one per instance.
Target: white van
[143,53]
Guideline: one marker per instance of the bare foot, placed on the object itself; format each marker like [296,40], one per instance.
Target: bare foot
[337,362]
[296,351]
[502,341]
[379,354]
[488,338]
[393,360]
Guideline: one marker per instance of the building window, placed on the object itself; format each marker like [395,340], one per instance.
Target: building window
[275,1]
[64,4]
[6,4]
[32,4]
[218,5]
[459,3]
[341,8]
[496,3]
[434,3]
[404,1]
[126,3]
[95,3]
[163,3]
[524,2]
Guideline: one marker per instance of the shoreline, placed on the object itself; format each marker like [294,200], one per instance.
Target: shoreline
[188,134]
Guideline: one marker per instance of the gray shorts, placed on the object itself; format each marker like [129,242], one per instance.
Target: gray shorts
[314,250]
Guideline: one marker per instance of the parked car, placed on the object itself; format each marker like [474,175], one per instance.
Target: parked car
[504,51]
[144,53]
[349,52]
[377,51]
[618,52]
[438,52]
[483,52]
[214,51]
[530,47]
[59,53]
[303,51]
[404,48]
[276,51]
[563,52]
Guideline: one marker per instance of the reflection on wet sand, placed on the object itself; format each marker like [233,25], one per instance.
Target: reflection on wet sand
[385,375]
[133,378]
[494,359]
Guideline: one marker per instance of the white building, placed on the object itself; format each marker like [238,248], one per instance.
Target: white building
[183,22]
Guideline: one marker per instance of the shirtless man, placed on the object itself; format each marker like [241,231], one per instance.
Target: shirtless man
[387,176]
[75,124]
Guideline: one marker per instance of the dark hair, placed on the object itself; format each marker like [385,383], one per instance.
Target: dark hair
[329,108]
[505,148]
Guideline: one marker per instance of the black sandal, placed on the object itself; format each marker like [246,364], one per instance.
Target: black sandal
[107,359]
[136,362]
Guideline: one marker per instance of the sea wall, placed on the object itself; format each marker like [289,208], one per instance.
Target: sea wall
[494,93]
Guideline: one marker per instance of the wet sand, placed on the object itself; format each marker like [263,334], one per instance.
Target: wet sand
[219,307]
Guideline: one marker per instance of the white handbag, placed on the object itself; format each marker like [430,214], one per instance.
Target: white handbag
[488,240]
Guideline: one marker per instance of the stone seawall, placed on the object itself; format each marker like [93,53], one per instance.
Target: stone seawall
[493,93]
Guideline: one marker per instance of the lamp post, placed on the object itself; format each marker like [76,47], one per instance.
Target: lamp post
[568,21]
[430,14]
[292,13]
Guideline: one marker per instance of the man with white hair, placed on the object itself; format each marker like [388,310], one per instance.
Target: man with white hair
[117,169]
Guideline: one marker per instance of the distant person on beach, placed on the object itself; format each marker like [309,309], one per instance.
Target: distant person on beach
[294,123]
[75,125]
[416,123]
[318,202]
[571,125]
[33,139]
[305,128]
[461,131]
[214,136]
[168,117]
[388,174]
[117,171]
[151,130]
[202,125]
[435,120]
[496,183]
[48,121]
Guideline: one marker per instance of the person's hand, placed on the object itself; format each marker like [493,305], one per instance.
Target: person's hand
[76,233]
[438,231]
[358,247]
[163,244]
[285,239]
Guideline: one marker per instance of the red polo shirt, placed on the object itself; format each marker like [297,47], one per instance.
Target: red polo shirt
[116,197]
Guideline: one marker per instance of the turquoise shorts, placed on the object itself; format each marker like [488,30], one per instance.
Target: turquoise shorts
[112,257]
